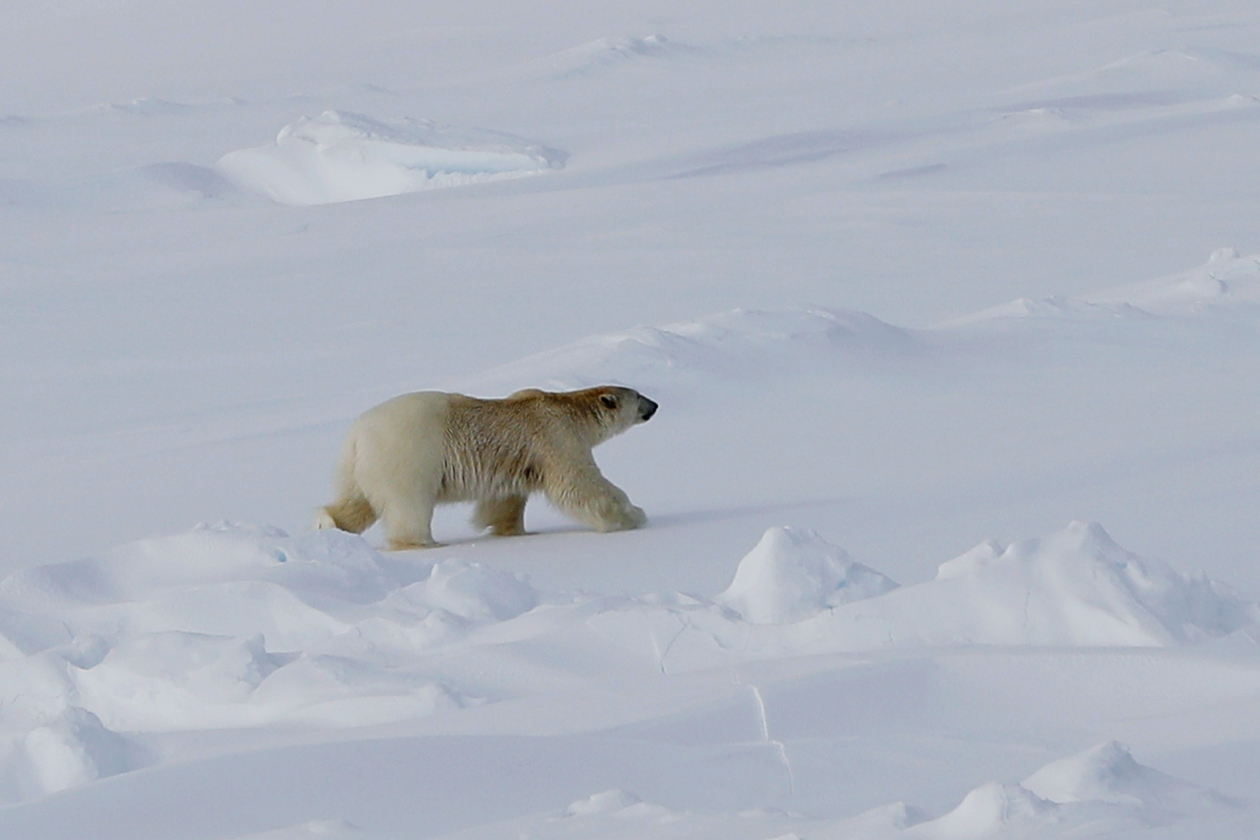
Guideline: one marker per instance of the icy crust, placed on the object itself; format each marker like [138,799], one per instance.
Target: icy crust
[234,626]
[339,156]
[1226,279]
[722,346]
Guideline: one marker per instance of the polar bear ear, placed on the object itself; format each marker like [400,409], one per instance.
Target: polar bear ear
[608,400]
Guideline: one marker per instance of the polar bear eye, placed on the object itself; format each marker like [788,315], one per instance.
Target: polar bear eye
[608,400]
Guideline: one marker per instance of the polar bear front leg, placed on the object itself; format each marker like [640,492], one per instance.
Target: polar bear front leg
[589,497]
[505,517]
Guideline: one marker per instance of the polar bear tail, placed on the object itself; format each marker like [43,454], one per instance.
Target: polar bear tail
[351,511]
[352,514]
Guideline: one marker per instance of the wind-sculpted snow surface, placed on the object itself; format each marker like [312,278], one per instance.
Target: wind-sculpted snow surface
[227,228]
[346,157]
[1110,793]
[793,595]
[230,626]
[1225,280]
[725,346]
[224,626]
[1094,793]
[607,53]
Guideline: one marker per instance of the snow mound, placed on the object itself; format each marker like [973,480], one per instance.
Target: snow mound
[796,595]
[149,106]
[231,626]
[621,805]
[72,749]
[1107,773]
[1226,279]
[602,803]
[1094,792]
[1078,586]
[726,345]
[1057,307]
[793,574]
[472,591]
[610,52]
[991,810]
[341,156]
[225,626]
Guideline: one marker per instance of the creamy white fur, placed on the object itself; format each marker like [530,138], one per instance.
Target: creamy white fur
[411,453]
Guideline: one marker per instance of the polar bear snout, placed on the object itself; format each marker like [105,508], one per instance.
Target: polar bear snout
[646,409]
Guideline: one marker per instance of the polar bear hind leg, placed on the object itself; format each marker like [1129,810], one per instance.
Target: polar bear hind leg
[505,517]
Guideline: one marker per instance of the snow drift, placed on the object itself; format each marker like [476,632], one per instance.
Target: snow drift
[233,626]
[794,595]
[346,157]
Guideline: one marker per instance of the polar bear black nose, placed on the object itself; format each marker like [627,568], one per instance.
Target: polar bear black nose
[646,408]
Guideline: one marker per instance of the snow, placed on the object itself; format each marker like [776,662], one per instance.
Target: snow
[958,295]
[793,574]
[346,157]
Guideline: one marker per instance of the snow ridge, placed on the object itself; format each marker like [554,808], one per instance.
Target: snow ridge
[723,346]
[342,156]
[1225,280]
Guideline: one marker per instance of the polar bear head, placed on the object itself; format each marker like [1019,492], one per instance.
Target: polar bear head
[602,412]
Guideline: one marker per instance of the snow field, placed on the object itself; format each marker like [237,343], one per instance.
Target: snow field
[784,200]
[240,628]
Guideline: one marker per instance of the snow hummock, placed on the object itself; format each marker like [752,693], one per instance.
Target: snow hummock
[608,52]
[793,573]
[1107,773]
[991,810]
[1088,794]
[242,627]
[72,749]
[605,802]
[1078,586]
[1073,588]
[342,156]
[620,805]
[1226,279]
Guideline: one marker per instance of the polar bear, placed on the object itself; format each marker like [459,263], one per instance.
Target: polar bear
[419,450]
